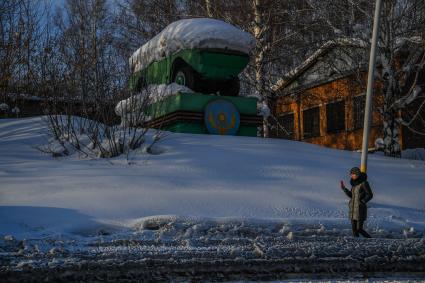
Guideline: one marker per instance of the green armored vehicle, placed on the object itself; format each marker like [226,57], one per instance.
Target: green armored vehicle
[190,72]
[205,55]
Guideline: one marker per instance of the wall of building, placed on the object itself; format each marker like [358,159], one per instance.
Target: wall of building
[346,90]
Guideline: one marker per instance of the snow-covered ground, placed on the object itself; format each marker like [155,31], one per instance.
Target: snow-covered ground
[195,176]
[207,195]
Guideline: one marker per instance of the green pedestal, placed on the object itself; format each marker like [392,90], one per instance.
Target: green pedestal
[184,113]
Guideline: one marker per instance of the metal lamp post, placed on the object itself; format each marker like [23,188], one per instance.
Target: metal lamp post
[370,82]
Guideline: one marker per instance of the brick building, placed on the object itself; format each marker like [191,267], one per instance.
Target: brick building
[322,101]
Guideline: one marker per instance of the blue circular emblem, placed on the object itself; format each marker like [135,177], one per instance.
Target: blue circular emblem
[221,118]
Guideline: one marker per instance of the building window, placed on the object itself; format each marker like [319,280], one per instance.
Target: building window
[335,116]
[311,122]
[358,111]
[285,127]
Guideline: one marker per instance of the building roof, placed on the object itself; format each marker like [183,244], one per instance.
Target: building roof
[330,45]
[310,61]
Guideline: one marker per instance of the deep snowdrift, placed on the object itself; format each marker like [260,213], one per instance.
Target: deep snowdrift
[195,177]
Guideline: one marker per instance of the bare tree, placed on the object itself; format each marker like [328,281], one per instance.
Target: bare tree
[284,30]
[400,57]
[19,39]
[209,8]
[8,32]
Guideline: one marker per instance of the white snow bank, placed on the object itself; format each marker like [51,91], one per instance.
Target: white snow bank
[414,153]
[45,220]
[200,176]
[191,34]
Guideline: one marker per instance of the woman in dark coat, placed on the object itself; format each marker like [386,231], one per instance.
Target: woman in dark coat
[359,195]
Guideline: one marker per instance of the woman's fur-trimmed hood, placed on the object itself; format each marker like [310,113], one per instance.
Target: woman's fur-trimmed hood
[362,178]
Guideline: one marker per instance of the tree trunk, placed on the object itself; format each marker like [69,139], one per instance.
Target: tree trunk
[266,130]
[391,134]
[208,5]
[259,58]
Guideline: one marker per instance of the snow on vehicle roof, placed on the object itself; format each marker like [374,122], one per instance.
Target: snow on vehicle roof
[191,34]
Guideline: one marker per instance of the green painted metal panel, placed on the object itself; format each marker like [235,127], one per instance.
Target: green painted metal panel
[168,105]
[197,102]
[156,72]
[134,78]
[221,66]
[214,64]
[248,131]
[211,64]
[186,127]
[199,128]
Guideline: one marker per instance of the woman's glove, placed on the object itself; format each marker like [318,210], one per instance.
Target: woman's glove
[345,190]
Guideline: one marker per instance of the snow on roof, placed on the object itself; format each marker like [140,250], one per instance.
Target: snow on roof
[339,42]
[191,34]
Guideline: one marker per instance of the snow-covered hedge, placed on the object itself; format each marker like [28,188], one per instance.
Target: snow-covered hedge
[92,139]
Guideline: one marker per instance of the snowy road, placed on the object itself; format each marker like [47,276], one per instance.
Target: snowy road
[188,250]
